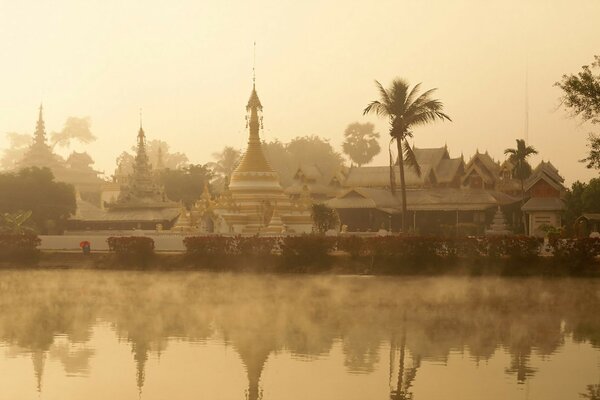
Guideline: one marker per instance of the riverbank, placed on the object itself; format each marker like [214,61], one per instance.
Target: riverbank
[338,262]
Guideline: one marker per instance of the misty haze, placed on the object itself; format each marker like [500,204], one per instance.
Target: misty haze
[300,200]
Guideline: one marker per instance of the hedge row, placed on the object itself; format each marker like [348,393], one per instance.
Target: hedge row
[137,250]
[388,254]
[19,247]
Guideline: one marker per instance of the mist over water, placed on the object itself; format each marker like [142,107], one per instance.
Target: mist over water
[67,334]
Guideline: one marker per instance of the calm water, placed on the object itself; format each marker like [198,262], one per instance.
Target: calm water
[128,335]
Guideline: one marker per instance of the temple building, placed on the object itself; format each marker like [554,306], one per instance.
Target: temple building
[141,202]
[545,204]
[449,196]
[76,170]
[254,201]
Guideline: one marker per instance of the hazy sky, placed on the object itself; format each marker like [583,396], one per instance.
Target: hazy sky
[188,65]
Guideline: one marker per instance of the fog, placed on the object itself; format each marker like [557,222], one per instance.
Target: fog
[188,65]
[402,325]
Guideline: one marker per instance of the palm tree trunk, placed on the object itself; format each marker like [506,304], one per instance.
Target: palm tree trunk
[522,204]
[402,183]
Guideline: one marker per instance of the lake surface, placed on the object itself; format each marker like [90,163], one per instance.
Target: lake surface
[68,334]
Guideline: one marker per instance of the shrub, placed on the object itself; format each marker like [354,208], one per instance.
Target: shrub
[302,252]
[355,245]
[201,247]
[577,254]
[138,250]
[254,246]
[19,247]
[324,218]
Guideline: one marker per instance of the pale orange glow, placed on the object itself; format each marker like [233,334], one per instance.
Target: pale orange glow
[188,65]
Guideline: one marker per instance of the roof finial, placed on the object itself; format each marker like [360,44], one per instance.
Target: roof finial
[140,118]
[254,66]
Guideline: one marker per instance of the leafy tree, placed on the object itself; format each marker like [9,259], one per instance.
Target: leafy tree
[75,129]
[405,109]
[582,92]
[324,218]
[18,145]
[315,150]
[50,202]
[522,169]
[593,158]
[285,158]
[226,162]
[15,222]
[280,160]
[158,154]
[581,95]
[574,206]
[186,184]
[361,143]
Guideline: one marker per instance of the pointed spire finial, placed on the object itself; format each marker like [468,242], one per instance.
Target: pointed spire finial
[254,66]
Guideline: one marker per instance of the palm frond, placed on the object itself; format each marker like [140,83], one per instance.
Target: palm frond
[383,93]
[412,96]
[410,159]
[376,107]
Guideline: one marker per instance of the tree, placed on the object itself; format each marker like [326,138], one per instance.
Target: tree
[75,129]
[18,145]
[281,161]
[522,169]
[306,150]
[50,202]
[226,162]
[581,95]
[361,143]
[582,92]
[405,109]
[574,206]
[186,184]
[15,222]
[285,158]
[324,218]
[160,155]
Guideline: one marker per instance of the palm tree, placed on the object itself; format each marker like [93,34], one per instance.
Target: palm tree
[405,108]
[227,161]
[521,168]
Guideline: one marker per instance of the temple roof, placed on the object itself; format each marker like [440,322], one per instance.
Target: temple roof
[544,204]
[443,199]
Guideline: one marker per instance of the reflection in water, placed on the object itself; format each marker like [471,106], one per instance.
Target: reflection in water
[51,316]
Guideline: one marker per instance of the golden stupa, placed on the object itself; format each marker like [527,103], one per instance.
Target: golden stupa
[254,201]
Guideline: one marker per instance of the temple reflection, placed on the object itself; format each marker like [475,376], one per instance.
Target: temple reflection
[415,320]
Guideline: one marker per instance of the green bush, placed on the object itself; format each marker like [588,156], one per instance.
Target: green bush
[254,246]
[577,254]
[204,246]
[305,251]
[137,250]
[355,245]
[19,247]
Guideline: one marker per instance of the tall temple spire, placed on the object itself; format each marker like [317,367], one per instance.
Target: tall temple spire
[40,128]
[254,159]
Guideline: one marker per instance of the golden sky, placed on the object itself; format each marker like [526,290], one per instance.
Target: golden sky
[188,65]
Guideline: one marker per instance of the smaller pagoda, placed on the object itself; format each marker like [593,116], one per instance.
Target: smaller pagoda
[499,227]
[142,202]
[40,153]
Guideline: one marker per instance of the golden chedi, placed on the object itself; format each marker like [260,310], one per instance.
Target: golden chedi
[256,202]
